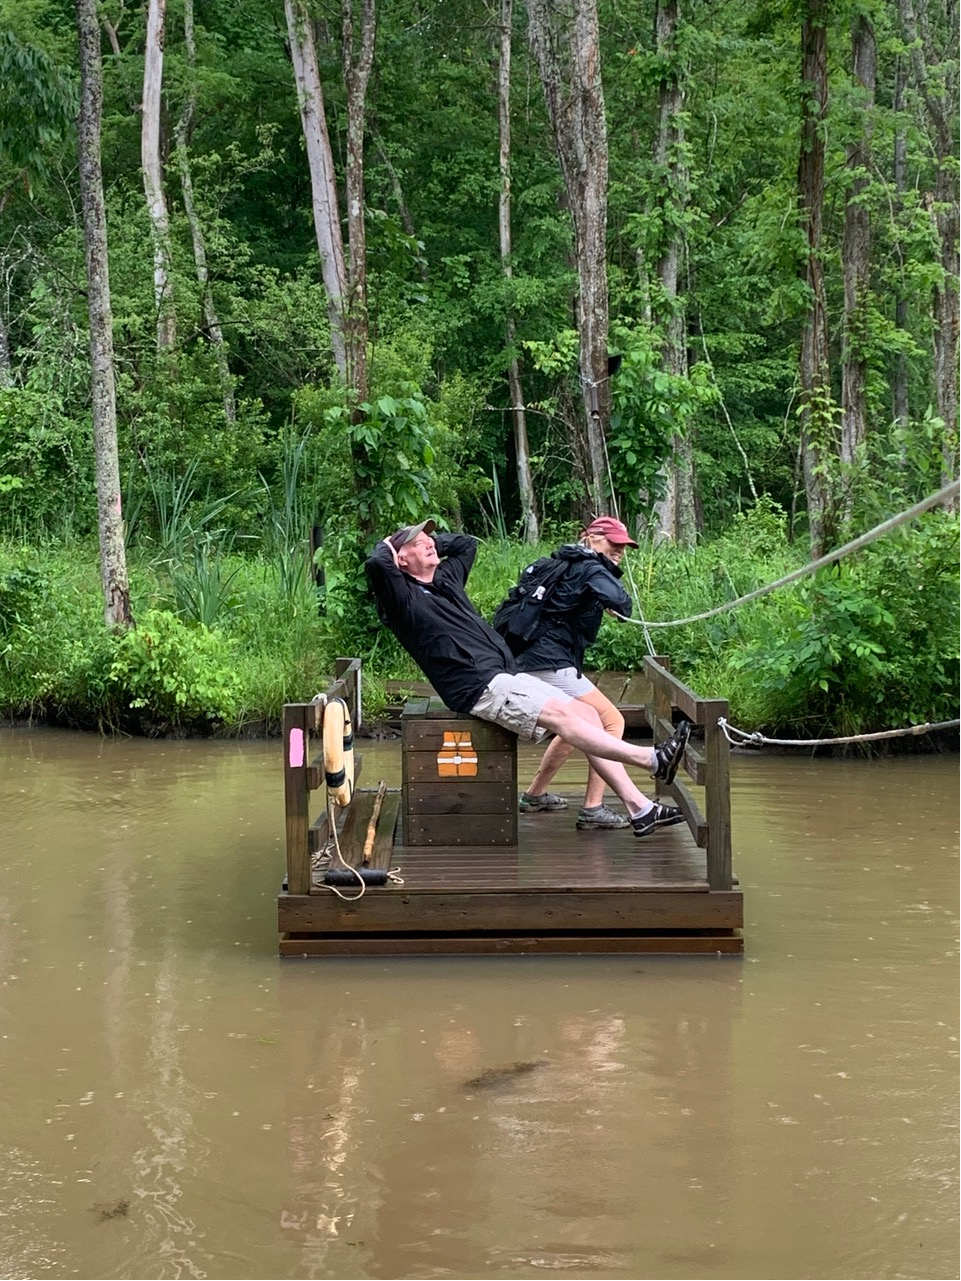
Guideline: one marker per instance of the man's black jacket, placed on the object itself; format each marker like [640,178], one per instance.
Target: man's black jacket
[455,648]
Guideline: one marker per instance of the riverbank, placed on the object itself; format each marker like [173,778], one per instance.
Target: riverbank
[387,730]
[222,643]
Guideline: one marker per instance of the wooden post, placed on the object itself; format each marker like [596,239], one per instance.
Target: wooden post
[661,704]
[296,806]
[717,795]
[348,671]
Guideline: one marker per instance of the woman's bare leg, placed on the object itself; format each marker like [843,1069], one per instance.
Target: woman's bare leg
[613,722]
[555,756]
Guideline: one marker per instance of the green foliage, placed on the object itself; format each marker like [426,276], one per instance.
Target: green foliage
[178,674]
[180,514]
[38,106]
[395,429]
[46,463]
[650,406]
[219,511]
[51,616]
[21,589]
[826,669]
[204,588]
[870,646]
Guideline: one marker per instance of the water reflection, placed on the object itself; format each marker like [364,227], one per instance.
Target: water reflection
[179,1103]
[512,1142]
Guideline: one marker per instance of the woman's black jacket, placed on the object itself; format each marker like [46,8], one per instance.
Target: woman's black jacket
[573,614]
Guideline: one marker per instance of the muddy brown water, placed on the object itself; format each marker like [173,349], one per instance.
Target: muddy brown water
[177,1102]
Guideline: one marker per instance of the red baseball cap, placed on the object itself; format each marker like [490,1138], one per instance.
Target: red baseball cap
[611,529]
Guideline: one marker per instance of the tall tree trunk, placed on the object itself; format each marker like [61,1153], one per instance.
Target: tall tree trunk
[934,64]
[674,513]
[518,409]
[152,166]
[816,409]
[182,135]
[6,366]
[901,404]
[856,254]
[320,160]
[403,210]
[356,77]
[567,53]
[946,219]
[113,560]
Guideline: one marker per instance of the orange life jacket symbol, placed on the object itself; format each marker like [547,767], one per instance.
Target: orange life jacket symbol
[457,757]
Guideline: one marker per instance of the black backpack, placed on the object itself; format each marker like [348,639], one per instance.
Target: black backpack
[517,616]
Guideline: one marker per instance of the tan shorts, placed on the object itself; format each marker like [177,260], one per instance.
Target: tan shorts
[515,702]
[567,681]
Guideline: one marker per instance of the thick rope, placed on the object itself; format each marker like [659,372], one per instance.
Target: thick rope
[756,739]
[333,850]
[741,738]
[856,544]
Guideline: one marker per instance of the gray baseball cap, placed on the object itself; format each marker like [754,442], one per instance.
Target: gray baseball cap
[407,535]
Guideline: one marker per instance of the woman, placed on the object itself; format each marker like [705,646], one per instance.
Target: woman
[570,622]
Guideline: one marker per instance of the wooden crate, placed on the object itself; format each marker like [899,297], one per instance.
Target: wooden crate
[459,778]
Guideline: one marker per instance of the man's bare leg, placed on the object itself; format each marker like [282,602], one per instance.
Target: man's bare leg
[579,724]
[559,750]
[555,756]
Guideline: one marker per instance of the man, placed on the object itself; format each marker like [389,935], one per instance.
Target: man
[419,584]
[570,622]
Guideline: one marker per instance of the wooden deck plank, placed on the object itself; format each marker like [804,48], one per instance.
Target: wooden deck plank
[394,909]
[403,690]
[474,945]
[383,851]
[637,691]
[591,879]
[689,808]
[352,830]
[612,684]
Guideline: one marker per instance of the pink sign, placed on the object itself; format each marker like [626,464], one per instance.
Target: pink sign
[295,749]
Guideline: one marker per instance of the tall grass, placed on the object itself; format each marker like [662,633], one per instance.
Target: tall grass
[289,520]
[180,515]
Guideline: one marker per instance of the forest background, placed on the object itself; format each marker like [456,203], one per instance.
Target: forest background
[692,261]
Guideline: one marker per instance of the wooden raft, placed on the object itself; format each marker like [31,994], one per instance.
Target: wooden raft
[553,889]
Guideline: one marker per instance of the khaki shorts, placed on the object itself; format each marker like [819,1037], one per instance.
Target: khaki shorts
[566,680]
[515,702]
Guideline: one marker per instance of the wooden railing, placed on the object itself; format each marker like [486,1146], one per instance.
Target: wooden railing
[709,768]
[303,725]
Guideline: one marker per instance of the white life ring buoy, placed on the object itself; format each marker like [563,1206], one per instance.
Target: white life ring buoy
[338,752]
